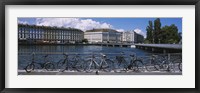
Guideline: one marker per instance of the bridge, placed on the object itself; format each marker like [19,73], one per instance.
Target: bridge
[165,48]
[115,44]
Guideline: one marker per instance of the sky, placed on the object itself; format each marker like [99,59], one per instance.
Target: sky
[120,24]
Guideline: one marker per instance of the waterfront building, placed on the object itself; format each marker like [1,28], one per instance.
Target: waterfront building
[102,35]
[139,38]
[128,36]
[46,34]
[132,37]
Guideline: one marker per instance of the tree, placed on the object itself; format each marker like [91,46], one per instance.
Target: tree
[167,34]
[157,30]
[149,30]
[170,34]
[180,36]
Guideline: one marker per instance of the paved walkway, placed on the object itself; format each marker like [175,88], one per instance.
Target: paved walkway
[40,72]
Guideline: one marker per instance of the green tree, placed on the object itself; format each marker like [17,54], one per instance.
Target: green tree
[157,31]
[180,36]
[149,33]
[167,34]
[170,34]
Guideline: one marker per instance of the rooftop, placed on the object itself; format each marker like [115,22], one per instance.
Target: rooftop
[47,27]
[101,30]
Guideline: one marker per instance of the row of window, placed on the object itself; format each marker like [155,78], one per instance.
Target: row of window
[28,36]
[46,30]
[29,33]
[51,33]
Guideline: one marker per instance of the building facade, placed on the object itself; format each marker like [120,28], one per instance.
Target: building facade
[139,38]
[46,34]
[128,37]
[132,37]
[102,35]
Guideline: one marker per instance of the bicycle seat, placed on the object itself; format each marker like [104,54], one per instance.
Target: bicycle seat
[65,54]
[103,54]
[33,53]
[132,55]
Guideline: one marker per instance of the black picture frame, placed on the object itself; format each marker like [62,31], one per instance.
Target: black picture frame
[3,3]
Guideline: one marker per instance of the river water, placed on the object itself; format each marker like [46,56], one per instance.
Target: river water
[55,52]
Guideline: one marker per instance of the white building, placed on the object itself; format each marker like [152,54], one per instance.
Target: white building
[128,36]
[47,34]
[102,35]
[132,37]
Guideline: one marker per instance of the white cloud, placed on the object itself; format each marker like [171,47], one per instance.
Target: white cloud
[120,30]
[83,24]
[22,22]
[139,31]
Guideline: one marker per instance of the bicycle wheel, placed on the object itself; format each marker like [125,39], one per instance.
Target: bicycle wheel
[106,66]
[115,66]
[88,67]
[60,64]
[49,66]
[171,67]
[111,65]
[153,64]
[152,67]
[29,68]
[131,65]
[161,63]
[123,65]
[180,66]
[78,66]
[103,66]
[140,66]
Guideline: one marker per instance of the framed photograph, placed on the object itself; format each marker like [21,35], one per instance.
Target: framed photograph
[56,46]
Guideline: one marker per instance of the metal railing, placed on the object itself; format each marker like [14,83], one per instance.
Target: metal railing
[171,62]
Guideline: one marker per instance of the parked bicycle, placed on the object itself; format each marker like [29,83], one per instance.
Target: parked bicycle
[64,64]
[136,64]
[160,62]
[102,62]
[49,66]
[120,63]
[106,64]
[176,59]
[92,63]
[75,63]
[78,63]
